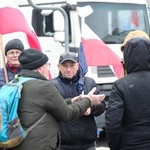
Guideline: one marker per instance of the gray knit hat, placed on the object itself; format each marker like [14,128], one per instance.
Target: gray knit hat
[14,44]
[32,59]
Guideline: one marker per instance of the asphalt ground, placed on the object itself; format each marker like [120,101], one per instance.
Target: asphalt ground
[101,142]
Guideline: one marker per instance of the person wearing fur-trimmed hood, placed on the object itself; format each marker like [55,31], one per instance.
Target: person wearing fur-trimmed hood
[127,117]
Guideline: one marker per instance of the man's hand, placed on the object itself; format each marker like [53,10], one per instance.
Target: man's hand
[75,99]
[88,112]
[95,99]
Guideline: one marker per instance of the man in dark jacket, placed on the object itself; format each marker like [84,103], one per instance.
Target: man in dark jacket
[80,134]
[12,51]
[127,116]
[40,96]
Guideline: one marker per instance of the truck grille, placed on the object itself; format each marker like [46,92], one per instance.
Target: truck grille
[104,71]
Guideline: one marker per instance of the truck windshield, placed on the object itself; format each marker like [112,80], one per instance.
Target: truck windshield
[112,22]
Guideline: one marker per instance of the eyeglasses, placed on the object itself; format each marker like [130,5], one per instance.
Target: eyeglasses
[48,64]
[12,53]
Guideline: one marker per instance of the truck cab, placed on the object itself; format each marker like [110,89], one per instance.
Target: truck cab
[110,20]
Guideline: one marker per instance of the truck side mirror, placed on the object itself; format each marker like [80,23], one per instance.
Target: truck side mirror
[58,21]
[58,25]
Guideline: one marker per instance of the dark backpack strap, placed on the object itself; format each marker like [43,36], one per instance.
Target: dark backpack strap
[36,123]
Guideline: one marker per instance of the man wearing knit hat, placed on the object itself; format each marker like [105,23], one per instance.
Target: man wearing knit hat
[40,96]
[12,50]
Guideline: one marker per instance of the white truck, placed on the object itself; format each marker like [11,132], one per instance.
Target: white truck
[110,20]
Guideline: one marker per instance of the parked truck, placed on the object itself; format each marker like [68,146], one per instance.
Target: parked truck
[110,20]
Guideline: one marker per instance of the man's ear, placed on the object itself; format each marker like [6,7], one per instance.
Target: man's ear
[58,66]
[39,70]
[78,65]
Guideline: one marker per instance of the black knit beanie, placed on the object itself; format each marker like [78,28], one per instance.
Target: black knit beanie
[14,44]
[32,59]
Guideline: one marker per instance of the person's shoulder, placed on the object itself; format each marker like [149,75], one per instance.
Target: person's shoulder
[89,81]
[122,81]
[1,70]
[86,78]
[39,83]
[55,80]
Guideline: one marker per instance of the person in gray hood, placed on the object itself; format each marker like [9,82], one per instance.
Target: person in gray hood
[128,113]
[40,96]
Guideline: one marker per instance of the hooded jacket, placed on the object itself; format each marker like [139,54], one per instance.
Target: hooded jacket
[128,113]
[40,96]
[82,132]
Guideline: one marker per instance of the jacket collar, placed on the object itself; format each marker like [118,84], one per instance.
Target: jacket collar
[68,81]
[32,74]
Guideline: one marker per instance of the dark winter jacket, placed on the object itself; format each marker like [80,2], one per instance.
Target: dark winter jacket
[80,133]
[11,75]
[40,96]
[128,114]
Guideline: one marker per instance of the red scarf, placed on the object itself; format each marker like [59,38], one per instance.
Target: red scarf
[13,69]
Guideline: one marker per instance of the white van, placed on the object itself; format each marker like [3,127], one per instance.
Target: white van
[111,21]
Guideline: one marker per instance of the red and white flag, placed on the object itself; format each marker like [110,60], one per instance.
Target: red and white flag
[12,20]
[135,18]
[98,53]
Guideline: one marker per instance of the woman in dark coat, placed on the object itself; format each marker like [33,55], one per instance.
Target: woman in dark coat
[128,113]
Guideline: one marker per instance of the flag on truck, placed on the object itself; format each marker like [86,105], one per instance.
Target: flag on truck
[13,20]
[98,53]
[83,68]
